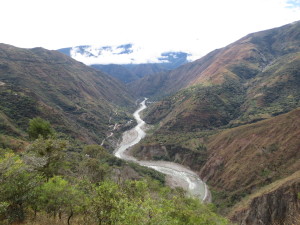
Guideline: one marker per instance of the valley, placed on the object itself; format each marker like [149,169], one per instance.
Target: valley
[223,129]
[178,176]
[232,117]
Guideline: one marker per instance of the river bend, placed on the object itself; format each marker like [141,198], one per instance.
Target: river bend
[177,174]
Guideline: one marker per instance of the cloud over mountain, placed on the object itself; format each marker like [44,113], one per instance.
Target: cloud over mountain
[121,54]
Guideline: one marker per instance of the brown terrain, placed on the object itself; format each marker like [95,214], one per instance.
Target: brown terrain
[235,119]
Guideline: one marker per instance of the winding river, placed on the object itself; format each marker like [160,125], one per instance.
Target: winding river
[177,174]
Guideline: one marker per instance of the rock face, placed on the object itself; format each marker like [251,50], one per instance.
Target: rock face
[279,206]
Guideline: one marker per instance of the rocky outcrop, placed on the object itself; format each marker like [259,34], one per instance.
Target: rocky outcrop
[280,205]
[177,154]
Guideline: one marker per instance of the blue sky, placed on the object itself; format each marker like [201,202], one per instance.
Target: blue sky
[293,3]
[195,26]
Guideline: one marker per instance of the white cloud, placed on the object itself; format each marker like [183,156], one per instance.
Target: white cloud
[138,54]
[194,26]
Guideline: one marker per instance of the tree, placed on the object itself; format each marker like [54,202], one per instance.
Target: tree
[93,169]
[52,150]
[37,127]
[17,186]
[57,196]
[95,151]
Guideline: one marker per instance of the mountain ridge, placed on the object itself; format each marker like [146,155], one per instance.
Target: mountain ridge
[57,86]
[255,51]
[247,97]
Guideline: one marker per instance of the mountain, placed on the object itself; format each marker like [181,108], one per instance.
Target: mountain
[249,85]
[248,157]
[241,60]
[232,116]
[85,182]
[78,100]
[258,161]
[127,62]
[130,72]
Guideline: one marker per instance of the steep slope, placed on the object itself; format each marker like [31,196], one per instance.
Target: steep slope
[235,121]
[198,108]
[257,162]
[258,83]
[247,157]
[277,203]
[77,99]
[241,60]
[271,92]
[261,160]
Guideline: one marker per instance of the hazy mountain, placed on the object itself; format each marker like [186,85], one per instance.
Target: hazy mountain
[126,62]
[76,99]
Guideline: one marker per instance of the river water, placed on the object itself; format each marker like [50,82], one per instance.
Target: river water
[177,175]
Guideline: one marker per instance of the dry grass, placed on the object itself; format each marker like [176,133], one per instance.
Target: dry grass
[256,154]
[295,177]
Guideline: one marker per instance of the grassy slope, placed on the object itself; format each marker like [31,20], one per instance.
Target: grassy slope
[77,99]
[240,60]
[198,108]
[256,78]
[250,156]
[274,91]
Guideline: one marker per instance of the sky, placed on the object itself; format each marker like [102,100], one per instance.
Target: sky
[193,26]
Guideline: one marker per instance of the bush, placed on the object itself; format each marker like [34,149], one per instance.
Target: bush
[37,127]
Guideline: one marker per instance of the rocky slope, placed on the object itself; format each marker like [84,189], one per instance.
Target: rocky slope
[76,99]
[278,203]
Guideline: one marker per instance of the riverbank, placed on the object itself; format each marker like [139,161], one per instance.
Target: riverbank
[176,174]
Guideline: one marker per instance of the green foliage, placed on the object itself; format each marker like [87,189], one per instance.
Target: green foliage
[37,127]
[132,203]
[17,186]
[16,106]
[94,170]
[84,193]
[273,147]
[95,151]
[11,142]
[53,151]
[198,108]
[148,172]
[57,196]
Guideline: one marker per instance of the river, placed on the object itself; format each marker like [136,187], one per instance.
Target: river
[177,175]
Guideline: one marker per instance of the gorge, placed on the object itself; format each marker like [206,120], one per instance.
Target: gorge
[177,174]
